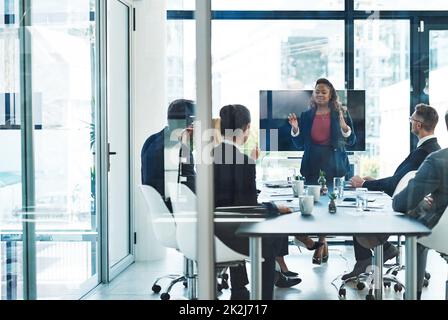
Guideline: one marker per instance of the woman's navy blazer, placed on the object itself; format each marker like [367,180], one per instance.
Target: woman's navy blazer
[303,141]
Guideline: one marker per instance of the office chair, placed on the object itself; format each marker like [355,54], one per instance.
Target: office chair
[398,266]
[392,269]
[164,227]
[437,241]
[367,279]
[184,210]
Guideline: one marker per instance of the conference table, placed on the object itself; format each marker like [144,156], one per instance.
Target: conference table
[379,219]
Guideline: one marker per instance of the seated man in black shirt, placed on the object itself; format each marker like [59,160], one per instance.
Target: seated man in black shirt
[180,119]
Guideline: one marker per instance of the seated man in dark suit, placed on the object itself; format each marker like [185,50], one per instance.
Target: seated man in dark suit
[423,122]
[180,122]
[430,179]
[234,185]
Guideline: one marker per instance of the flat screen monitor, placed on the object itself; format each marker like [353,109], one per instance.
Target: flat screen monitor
[276,105]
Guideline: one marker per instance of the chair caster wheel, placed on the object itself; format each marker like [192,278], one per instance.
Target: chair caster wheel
[427,275]
[425,283]
[156,288]
[370,297]
[395,272]
[342,293]
[360,285]
[185,283]
[387,284]
[165,296]
[398,287]
[225,284]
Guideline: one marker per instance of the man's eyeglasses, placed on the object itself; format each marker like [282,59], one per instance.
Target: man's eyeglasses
[412,119]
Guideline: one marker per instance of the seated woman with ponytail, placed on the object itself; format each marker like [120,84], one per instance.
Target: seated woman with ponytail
[234,185]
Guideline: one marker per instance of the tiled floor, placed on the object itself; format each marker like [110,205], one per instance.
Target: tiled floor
[135,282]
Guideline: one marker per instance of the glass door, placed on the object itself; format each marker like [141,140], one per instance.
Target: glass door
[62,45]
[49,147]
[48,225]
[118,137]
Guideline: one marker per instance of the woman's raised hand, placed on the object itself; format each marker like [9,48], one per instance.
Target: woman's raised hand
[341,109]
[292,119]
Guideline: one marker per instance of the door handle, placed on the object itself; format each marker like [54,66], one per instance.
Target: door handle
[109,153]
[112,153]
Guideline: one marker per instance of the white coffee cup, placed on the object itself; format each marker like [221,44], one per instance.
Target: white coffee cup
[306,205]
[314,190]
[298,187]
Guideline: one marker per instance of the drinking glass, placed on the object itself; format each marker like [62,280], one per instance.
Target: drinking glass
[361,199]
[338,187]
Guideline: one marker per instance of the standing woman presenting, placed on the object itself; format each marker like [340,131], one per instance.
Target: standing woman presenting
[322,132]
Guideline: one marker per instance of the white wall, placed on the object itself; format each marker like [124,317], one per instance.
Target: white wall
[150,108]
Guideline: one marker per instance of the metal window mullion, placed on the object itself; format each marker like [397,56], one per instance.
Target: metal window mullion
[417,63]
[204,204]
[27,149]
[349,44]
[302,15]
[259,15]
[359,14]
[100,138]
[130,29]
[131,132]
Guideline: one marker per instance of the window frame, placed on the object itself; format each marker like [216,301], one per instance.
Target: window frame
[349,15]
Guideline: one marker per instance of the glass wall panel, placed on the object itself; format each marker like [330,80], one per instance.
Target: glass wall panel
[181,59]
[401,5]
[249,56]
[438,72]
[382,58]
[170,157]
[260,5]
[11,282]
[63,85]
[180,4]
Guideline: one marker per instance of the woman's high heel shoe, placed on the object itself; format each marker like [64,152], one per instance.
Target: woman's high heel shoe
[316,245]
[325,253]
[317,256]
